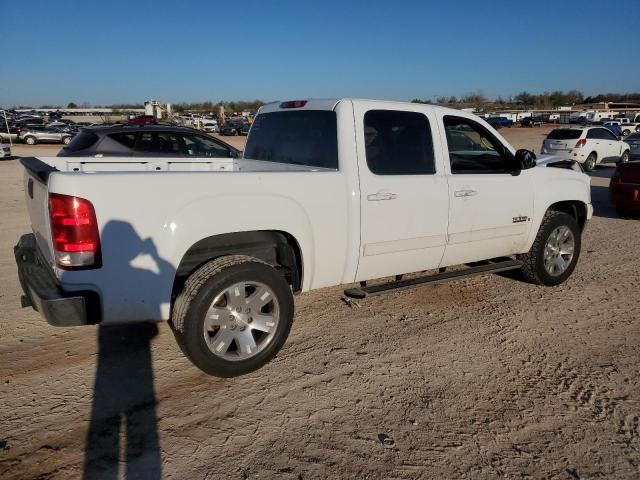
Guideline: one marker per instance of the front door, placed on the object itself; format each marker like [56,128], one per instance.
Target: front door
[404,191]
[491,203]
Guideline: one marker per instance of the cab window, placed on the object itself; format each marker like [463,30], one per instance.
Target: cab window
[398,143]
[472,149]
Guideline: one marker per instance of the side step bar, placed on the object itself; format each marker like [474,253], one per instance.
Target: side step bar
[495,267]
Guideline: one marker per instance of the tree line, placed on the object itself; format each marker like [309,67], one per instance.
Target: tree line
[556,98]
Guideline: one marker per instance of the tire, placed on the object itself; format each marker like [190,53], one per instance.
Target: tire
[624,158]
[66,140]
[538,262]
[223,348]
[626,132]
[590,162]
[30,140]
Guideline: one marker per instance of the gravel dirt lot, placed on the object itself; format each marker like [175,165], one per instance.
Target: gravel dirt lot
[481,378]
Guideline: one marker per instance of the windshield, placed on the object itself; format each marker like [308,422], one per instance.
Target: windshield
[302,137]
[564,134]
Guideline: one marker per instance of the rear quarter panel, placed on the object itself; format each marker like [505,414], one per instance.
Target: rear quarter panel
[148,221]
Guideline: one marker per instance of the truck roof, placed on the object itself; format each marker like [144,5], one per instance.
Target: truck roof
[331,103]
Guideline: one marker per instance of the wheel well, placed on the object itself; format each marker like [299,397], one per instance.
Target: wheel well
[278,249]
[576,209]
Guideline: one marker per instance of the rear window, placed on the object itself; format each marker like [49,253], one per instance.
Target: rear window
[564,134]
[81,141]
[128,139]
[304,137]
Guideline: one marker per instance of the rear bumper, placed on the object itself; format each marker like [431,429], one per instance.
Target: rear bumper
[625,195]
[44,294]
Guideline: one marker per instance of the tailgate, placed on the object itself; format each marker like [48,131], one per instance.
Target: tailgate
[560,145]
[36,176]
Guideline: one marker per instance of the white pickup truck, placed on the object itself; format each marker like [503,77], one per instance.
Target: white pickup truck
[628,125]
[329,192]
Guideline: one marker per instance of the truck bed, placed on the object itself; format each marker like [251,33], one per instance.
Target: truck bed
[164,164]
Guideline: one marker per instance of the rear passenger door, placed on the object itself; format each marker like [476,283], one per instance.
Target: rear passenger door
[613,144]
[160,144]
[491,203]
[404,201]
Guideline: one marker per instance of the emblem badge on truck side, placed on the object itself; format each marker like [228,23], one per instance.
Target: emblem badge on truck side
[520,219]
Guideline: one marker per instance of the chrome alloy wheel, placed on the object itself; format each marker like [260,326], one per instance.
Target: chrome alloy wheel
[558,252]
[241,321]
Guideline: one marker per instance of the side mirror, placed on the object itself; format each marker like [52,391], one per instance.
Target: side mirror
[525,159]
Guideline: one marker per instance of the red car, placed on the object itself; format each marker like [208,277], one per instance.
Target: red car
[624,189]
[144,119]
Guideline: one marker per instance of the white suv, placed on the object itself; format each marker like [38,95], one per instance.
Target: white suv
[589,145]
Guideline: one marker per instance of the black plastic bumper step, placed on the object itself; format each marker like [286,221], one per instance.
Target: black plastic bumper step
[494,267]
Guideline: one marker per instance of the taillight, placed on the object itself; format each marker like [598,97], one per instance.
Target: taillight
[293,104]
[74,231]
[581,143]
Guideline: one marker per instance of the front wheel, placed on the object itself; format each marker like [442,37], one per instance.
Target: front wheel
[30,141]
[233,315]
[555,251]
[626,132]
[66,140]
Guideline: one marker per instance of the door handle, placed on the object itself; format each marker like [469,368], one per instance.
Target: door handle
[377,197]
[465,193]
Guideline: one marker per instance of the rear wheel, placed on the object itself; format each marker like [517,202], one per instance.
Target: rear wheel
[233,315]
[66,140]
[590,162]
[624,158]
[555,251]
[626,132]
[30,140]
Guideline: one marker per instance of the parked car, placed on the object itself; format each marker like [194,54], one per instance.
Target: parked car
[629,125]
[634,146]
[245,129]
[210,127]
[499,122]
[144,120]
[624,188]
[587,145]
[532,121]
[5,149]
[329,192]
[229,129]
[146,141]
[29,123]
[10,135]
[614,128]
[31,136]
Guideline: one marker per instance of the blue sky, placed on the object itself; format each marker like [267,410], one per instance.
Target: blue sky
[130,51]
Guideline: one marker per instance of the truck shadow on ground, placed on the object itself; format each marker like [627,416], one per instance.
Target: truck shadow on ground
[123,433]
